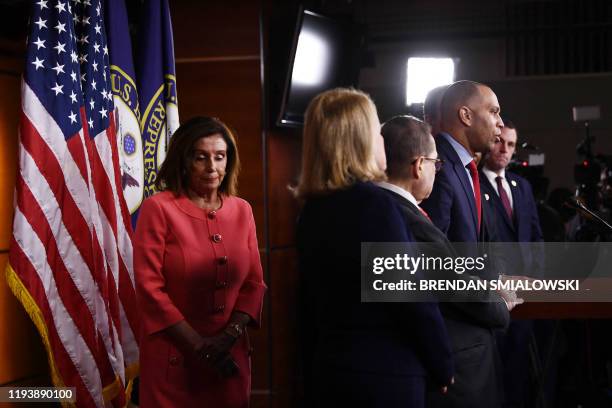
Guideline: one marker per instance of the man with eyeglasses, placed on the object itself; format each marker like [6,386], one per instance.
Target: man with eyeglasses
[412,164]
[412,160]
[470,122]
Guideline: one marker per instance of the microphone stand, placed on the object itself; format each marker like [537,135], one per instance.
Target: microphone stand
[573,202]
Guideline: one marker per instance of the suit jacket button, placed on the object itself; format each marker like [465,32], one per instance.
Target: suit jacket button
[222,260]
[173,360]
[216,238]
[212,215]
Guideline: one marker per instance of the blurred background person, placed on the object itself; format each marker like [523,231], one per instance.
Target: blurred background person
[412,164]
[431,108]
[514,203]
[363,354]
[517,221]
[198,275]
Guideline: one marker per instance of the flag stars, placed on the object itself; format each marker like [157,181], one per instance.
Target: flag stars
[76,19]
[92,104]
[60,28]
[72,117]
[73,75]
[60,6]
[95,66]
[73,96]
[98,28]
[103,112]
[90,121]
[42,4]
[85,21]
[98,11]
[105,50]
[38,63]
[58,68]
[39,43]
[57,89]
[73,56]
[41,23]
[60,47]
[94,84]
[83,58]
[83,40]
[104,94]
[96,47]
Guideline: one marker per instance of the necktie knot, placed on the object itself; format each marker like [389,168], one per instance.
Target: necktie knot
[472,167]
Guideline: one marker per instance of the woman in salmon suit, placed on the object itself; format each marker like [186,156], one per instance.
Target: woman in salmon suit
[198,275]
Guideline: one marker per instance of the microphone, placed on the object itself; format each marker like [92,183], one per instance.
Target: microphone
[529,146]
[573,202]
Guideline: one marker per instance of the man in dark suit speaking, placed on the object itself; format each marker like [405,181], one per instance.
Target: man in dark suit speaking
[469,123]
[412,162]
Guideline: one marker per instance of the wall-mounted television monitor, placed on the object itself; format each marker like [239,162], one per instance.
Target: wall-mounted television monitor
[321,58]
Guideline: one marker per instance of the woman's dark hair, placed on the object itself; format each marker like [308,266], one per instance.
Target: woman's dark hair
[174,172]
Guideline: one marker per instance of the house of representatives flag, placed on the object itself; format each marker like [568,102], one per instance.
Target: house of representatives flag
[70,260]
[156,86]
[127,108]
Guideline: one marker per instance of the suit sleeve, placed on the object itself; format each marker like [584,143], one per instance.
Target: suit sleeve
[440,202]
[490,313]
[428,336]
[158,310]
[250,296]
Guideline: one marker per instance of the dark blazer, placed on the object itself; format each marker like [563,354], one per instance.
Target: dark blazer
[470,326]
[452,209]
[377,341]
[451,203]
[523,227]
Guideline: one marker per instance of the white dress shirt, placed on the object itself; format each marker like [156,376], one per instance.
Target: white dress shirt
[491,176]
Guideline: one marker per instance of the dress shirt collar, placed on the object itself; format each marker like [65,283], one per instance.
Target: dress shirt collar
[398,190]
[491,175]
[462,152]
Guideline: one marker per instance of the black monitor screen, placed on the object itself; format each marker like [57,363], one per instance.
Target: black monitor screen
[318,62]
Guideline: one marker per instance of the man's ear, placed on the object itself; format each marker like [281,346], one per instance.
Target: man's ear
[417,168]
[465,115]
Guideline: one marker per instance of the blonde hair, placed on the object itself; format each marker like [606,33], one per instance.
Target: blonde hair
[337,147]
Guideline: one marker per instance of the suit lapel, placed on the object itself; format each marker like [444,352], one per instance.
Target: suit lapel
[451,155]
[497,202]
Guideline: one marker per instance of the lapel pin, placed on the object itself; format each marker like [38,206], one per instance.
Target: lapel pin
[486,197]
[513,183]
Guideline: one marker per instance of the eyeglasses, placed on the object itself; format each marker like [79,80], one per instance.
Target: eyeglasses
[437,162]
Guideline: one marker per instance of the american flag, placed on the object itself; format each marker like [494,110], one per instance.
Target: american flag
[70,261]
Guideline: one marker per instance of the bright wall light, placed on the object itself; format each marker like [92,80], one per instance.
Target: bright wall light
[311,60]
[424,74]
